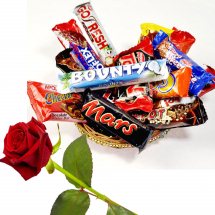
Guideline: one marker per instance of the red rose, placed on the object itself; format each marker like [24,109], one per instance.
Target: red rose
[27,148]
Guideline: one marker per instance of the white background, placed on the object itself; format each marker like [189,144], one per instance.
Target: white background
[175,176]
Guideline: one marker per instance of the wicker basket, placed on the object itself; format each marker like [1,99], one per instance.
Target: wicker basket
[112,141]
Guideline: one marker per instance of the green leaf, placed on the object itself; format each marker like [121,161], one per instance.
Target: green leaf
[78,161]
[56,147]
[118,210]
[71,202]
[50,166]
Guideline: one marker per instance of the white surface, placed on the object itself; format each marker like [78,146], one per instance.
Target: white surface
[142,182]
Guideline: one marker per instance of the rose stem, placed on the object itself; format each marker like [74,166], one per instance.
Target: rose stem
[82,184]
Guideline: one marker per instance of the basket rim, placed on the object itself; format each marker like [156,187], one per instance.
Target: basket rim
[113,142]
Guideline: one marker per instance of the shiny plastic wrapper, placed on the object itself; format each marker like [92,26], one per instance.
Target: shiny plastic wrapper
[164,49]
[49,105]
[124,75]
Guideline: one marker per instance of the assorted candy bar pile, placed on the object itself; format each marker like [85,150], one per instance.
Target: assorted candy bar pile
[150,87]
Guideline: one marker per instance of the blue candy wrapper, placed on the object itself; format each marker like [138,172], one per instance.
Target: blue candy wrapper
[78,81]
[85,56]
[176,59]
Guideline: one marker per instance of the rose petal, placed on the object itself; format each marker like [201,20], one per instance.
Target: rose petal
[38,156]
[14,144]
[23,169]
[45,151]
[34,123]
[31,137]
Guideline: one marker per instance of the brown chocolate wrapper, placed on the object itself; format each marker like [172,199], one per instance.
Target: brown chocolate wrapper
[173,113]
[66,62]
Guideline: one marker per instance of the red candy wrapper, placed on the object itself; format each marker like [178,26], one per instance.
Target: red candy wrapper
[182,40]
[48,104]
[131,98]
[66,33]
[134,97]
[139,53]
[70,36]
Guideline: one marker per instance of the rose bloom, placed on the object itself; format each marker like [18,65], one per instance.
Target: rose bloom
[27,148]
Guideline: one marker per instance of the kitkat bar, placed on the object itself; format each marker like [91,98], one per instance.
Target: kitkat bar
[101,112]
[174,113]
[70,36]
[48,104]
[96,33]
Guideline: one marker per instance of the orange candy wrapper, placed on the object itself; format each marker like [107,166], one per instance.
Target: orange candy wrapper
[177,85]
[48,104]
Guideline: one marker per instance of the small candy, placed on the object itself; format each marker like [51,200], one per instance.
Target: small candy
[99,111]
[137,54]
[164,49]
[96,33]
[70,36]
[149,71]
[177,84]
[48,104]
[173,113]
